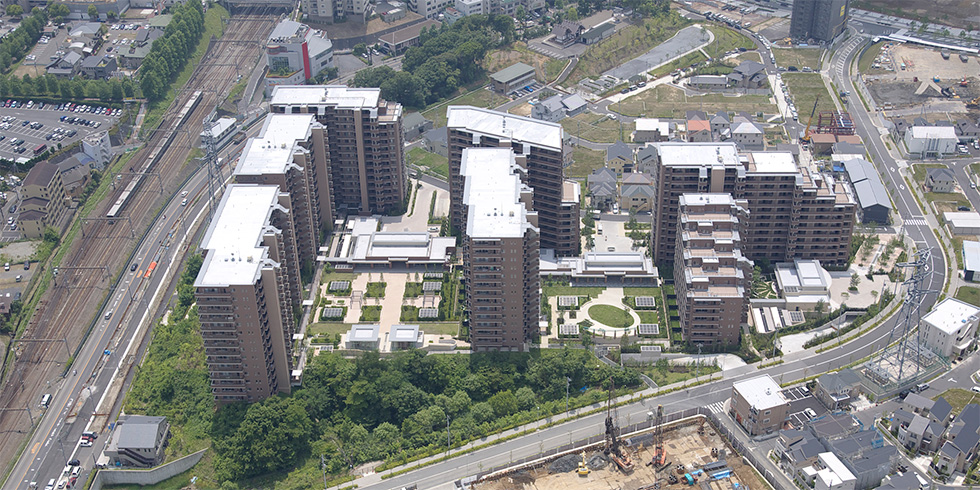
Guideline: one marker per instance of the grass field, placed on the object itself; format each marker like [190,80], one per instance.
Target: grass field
[664,101]
[864,63]
[480,97]
[727,40]
[553,68]
[370,313]
[798,57]
[597,128]
[611,316]
[327,328]
[571,291]
[584,162]
[969,294]
[439,328]
[805,87]
[626,44]
[435,162]
[959,398]
[951,197]
[213,26]
[682,62]
[919,170]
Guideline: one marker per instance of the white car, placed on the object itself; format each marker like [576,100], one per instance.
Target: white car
[85,443]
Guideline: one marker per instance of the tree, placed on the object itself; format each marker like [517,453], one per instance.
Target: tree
[855,280]
[15,10]
[93,12]
[360,49]
[111,15]
[58,11]
[520,14]
[503,403]
[820,307]
[272,435]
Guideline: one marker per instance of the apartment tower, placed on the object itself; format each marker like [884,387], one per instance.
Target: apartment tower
[362,144]
[244,297]
[289,153]
[500,246]
[795,211]
[540,145]
[822,20]
[712,278]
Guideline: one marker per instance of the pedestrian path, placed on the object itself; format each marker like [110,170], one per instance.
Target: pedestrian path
[716,407]
[920,221]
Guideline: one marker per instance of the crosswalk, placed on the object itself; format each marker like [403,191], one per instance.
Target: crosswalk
[717,407]
[916,222]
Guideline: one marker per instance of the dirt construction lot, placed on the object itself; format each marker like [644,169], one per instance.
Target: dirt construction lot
[927,63]
[683,445]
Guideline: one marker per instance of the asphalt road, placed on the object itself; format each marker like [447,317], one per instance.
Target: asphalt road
[56,439]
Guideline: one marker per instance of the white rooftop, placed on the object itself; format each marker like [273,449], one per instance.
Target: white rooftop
[677,153]
[950,314]
[334,95]
[802,276]
[272,151]
[233,239]
[774,162]
[705,198]
[834,472]
[363,333]
[652,124]
[761,392]
[503,125]
[971,255]
[404,333]
[962,219]
[934,132]
[221,125]
[492,194]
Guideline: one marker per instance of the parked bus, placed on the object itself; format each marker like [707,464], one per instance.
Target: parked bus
[40,149]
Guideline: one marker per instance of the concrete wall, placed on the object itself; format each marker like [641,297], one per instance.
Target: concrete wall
[146,477]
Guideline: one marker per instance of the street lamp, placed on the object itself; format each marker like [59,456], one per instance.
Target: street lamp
[567,380]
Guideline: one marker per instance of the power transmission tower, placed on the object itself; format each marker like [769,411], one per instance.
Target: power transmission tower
[211,160]
[909,345]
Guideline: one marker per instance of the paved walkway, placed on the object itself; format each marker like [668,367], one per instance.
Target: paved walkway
[612,297]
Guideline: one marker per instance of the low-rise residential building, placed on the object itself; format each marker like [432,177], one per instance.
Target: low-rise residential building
[935,141]
[708,82]
[836,390]
[567,33]
[516,76]
[960,450]
[758,405]
[869,191]
[951,327]
[828,473]
[397,42]
[98,147]
[971,260]
[920,434]
[138,441]
[748,136]
[962,222]
[619,157]
[132,55]
[636,192]
[651,130]
[602,188]
[98,67]
[796,449]
[940,180]
[698,130]
[558,107]
[720,125]
[67,66]
[44,201]
[866,456]
[748,74]
[414,124]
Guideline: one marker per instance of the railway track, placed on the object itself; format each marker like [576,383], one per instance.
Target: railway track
[67,309]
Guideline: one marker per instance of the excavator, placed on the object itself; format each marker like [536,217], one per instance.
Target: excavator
[973,104]
[583,468]
[806,134]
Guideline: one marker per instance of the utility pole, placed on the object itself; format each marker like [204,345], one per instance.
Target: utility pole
[449,437]
[567,380]
[323,468]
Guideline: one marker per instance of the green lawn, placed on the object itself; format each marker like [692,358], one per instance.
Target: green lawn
[611,316]
[671,102]
[798,57]
[591,292]
[327,328]
[553,68]
[969,294]
[626,44]
[682,62]
[597,128]
[676,374]
[584,162]
[439,328]
[433,161]
[479,97]
[805,87]
[213,26]
[650,316]
[864,63]
[959,398]
[413,289]
[956,198]
[370,313]
[727,40]
[655,292]
[919,170]
[375,290]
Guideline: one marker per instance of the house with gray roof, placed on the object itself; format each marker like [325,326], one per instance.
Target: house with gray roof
[720,125]
[619,157]
[558,107]
[637,192]
[748,136]
[917,403]
[748,74]
[900,481]
[796,449]
[567,33]
[138,441]
[870,192]
[67,66]
[959,452]
[834,426]
[598,33]
[836,390]
[98,67]
[867,457]
[414,124]
[602,188]
[940,180]
[921,434]
[437,141]
[708,82]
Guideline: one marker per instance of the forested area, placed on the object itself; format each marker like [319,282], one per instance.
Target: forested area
[446,59]
[170,53]
[353,411]
[16,44]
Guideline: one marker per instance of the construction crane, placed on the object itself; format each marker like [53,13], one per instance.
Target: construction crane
[614,447]
[806,134]
[660,456]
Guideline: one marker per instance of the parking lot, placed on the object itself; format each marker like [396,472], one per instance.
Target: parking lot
[802,406]
[33,126]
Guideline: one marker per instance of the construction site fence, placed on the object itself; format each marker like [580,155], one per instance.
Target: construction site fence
[631,430]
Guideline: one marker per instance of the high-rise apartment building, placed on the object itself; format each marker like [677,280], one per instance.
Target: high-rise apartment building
[712,278]
[500,250]
[289,153]
[362,143]
[335,10]
[540,144]
[822,20]
[795,211]
[245,299]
